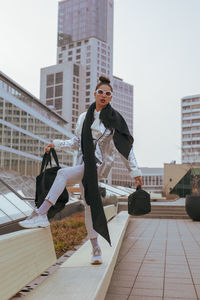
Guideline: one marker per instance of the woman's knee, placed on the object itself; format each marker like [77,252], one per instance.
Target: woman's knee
[63,172]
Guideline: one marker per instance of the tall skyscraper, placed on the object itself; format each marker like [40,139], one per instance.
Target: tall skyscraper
[190,111]
[85,37]
[85,42]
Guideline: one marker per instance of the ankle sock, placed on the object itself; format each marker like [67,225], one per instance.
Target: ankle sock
[43,209]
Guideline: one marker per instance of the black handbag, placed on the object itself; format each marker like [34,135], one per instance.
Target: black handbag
[44,182]
[139,202]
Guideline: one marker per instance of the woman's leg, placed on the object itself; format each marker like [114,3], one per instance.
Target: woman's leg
[64,176]
[72,174]
[92,234]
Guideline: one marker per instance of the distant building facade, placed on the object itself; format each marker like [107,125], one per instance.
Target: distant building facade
[61,90]
[153,179]
[190,124]
[26,127]
[123,102]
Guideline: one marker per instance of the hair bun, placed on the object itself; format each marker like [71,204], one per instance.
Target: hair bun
[104,79]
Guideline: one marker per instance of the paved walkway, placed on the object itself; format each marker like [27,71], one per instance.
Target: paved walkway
[159,259]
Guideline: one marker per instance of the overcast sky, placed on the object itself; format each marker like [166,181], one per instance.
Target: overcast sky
[156,48]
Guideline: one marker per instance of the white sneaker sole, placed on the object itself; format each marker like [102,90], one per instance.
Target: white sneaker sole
[32,226]
[97,261]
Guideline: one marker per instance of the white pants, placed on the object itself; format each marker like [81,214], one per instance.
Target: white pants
[72,175]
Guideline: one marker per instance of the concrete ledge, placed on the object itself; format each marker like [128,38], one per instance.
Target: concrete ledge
[77,278]
[23,256]
[110,211]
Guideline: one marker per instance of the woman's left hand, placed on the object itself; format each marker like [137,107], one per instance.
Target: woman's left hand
[138,180]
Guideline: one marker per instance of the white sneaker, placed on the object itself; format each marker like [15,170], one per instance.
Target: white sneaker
[96,257]
[35,220]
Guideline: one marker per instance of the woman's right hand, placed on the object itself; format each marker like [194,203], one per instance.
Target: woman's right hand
[48,147]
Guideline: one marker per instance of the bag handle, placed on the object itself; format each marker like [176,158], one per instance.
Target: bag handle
[47,159]
[54,154]
[138,187]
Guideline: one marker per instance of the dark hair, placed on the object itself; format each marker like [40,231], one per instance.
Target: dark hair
[104,80]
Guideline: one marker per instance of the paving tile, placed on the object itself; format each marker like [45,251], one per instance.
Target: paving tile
[127,266]
[126,272]
[121,283]
[173,298]
[144,298]
[119,290]
[180,290]
[177,275]
[178,280]
[152,273]
[176,260]
[115,297]
[148,285]
[146,292]
[118,276]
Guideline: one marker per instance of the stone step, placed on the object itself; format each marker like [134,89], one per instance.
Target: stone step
[160,211]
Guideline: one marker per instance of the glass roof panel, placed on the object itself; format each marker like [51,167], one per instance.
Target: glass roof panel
[9,209]
[21,183]
[21,204]
[4,218]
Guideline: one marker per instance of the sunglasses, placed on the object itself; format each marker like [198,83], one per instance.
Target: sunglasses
[101,92]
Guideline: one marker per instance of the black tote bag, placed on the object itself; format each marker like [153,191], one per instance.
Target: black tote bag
[139,202]
[44,182]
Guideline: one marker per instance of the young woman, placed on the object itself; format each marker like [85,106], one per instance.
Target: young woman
[100,133]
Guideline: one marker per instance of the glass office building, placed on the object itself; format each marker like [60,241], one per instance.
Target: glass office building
[80,19]
[26,127]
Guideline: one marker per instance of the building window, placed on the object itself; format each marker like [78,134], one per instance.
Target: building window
[87,73]
[76,70]
[71,46]
[70,52]
[88,87]
[50,79]
[59,77]
[63,48]
[87,99]
[69,58]
[78,50]
[78,44]
[78,57]
[87,93]
[49,92]
[58,103]
[88,61]
[58,90]
[86,41]
[49,102]
[103,70]
[60,61]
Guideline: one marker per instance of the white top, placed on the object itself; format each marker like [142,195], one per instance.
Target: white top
[97,126]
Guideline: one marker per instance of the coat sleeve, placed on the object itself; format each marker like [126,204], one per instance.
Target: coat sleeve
[131,164]
[74,143]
